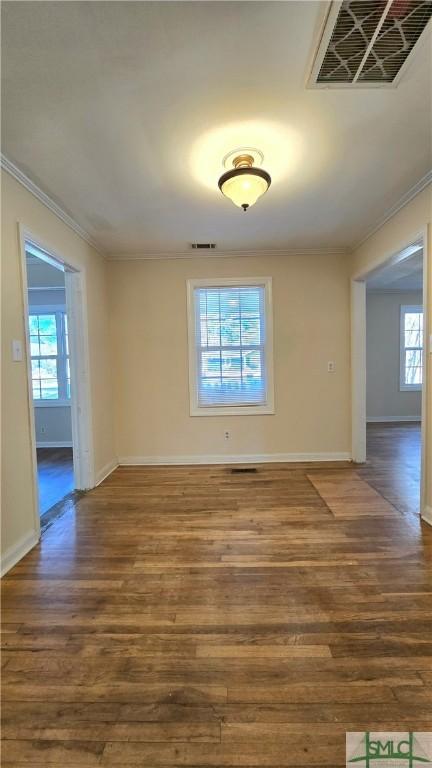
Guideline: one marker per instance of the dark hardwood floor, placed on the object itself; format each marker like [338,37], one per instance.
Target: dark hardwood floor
[393,463]
[55,476]
[191,617]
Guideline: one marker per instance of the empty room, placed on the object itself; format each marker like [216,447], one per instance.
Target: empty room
[216,383]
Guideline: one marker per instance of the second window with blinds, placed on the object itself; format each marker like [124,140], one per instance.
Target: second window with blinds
[230,346]
[49,349]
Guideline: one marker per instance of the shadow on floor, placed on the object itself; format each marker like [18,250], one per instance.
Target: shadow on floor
[55,476]
[393,463]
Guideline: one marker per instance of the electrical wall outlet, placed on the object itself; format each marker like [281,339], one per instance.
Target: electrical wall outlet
[331,366]
[227,435]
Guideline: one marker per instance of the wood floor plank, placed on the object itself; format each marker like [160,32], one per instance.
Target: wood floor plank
[55,475]
[314,693]
[189,616]
[125,692]
[38,752]
[348,496]
[208,732]
[268,752]
[263,651]
[393,465]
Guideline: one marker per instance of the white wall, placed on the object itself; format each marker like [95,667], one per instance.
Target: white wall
[148,314]
[43,275]
[53,426]
[385,401]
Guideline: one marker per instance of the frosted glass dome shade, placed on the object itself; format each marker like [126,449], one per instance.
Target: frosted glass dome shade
[244,185]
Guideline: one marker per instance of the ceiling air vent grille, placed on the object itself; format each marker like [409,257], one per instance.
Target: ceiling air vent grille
[367,42]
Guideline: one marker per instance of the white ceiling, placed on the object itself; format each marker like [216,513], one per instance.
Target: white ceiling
[407,275]
[122,112]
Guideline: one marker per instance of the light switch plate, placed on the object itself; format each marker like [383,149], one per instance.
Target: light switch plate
[17,351]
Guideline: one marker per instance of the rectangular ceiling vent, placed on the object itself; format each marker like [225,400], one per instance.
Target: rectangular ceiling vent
[367,42]
[203,246]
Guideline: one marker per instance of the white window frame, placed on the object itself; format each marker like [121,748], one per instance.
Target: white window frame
[230,410]
[405,309]
[54,309]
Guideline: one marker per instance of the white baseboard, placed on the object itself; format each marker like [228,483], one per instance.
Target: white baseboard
[54,444]
[261,458]
[101,474]
[427,515]
[18,550]
[372,419]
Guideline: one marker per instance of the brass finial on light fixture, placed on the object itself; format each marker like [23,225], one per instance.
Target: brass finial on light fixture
[243,161]
[245,183]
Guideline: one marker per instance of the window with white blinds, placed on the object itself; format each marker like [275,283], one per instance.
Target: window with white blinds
[411,347]
[49,350]
[230,340]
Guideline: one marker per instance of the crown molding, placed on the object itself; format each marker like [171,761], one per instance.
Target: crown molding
[14,171]
[155,256]
[8,166]
[402,202]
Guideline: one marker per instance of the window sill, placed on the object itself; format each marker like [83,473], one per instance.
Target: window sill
[51,403]
[410,388]
[234,410]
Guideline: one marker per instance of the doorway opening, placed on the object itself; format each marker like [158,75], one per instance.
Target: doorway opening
[394,375]
[389,304]
[58,381]
[51,379]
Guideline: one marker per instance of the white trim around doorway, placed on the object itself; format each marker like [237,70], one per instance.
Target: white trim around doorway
[82,433]
[358,353]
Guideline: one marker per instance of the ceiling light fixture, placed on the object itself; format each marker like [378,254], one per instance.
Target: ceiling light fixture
[244,183]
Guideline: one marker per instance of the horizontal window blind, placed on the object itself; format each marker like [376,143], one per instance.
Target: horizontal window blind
[230,345]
